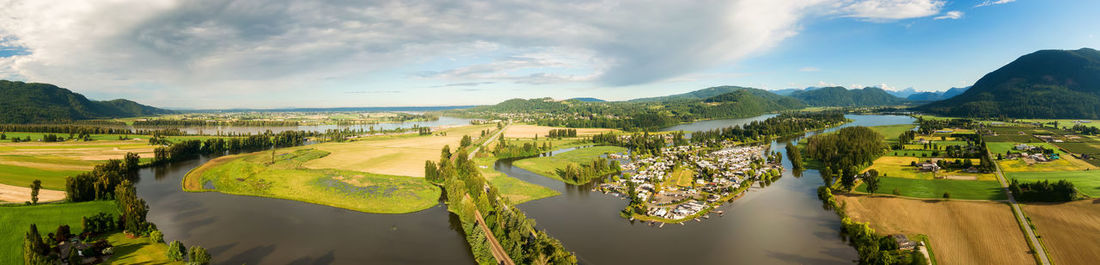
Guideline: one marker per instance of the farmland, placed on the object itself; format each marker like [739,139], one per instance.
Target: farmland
[1087,182]
[961,232]
[22,163]
[1070,231]
[529,131]
[935,188]
[401,155]
[282,176]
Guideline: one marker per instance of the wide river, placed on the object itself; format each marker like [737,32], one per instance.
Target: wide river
[780,224]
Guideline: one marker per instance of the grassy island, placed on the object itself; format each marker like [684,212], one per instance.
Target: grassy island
[255,174]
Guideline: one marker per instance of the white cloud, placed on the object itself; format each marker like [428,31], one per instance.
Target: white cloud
[888,10]
[809,69]
[950,15]
[169,50]
[992,2]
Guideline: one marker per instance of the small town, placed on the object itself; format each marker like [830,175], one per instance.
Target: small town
[688,181]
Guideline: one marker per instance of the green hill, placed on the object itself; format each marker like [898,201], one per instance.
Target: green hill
[696,95]
[43,103]
[839,96]
[1043,84]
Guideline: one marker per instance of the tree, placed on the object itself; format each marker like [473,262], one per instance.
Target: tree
[848,179]
[176,250]
[871,179]
[156,236]
[946,195]
[132,210]
[198,256]
[35,187]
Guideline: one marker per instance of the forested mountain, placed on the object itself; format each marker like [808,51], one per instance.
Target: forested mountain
[937,95]
[839,96]
[588,99]
[634,115]
[695,95]
[42,103]
[1043,84]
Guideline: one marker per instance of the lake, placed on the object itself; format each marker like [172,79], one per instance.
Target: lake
[780,224]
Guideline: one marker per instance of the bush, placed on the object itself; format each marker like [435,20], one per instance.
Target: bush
[897,192]
[946,195]
[156,236]
[176,250]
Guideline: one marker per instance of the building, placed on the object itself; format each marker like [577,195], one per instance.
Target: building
[903,242]
[931,167]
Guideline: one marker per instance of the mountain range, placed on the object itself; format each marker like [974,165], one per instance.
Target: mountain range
[45,103]
[937,95]
[1043,84]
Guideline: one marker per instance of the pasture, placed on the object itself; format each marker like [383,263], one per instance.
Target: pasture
[934,188]
[960,232]
[1070,231]
[400,155]
[515,190]
[16,221]
[548,165]
[529,131]
[1086,182]
[138,250]
[891,132]
[899,167]
[254,174]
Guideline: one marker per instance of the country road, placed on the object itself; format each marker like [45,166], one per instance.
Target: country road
[1020,216]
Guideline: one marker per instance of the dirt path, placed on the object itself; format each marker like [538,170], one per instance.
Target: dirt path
[17,194]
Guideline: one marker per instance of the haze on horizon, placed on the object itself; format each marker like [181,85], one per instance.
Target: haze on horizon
[275,54]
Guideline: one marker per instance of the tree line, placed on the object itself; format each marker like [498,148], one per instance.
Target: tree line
[782,125]
[1043,191]
[562,133]
[575,173]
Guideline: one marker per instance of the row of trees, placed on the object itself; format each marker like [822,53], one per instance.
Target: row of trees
[469,194]
[639,143]
[872,248]
[781,125]
[101,182]
[577,174]
[1043,191]
[562,133]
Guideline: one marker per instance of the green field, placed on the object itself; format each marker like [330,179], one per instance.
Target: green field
[934,188]
[23,176]
[16,220]
[891,132]
[1002,147]
[682,177]
[254,175]
[138,250]
[1087,182]
[547,166]
[515,190]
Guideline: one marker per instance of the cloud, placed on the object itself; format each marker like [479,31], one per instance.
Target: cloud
[809,69]
[889,10]
[950,15]
[170,50]
[991,2]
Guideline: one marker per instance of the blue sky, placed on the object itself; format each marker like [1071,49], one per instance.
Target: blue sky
[269,54]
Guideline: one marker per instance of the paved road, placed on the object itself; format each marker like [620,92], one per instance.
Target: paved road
[1020,217]
[486,143]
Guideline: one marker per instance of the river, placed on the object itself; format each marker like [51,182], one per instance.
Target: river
[781,224]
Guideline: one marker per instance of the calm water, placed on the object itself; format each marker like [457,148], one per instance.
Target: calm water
[442,121]
[253,230]
[780,224]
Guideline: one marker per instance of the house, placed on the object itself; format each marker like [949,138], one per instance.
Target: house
[931,167]
[1023,147]
[903,242]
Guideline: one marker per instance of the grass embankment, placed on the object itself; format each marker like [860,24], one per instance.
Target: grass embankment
[515,190]
[400,155]
[548,166]
[1070,231]
[960,232]
[254,174]
[16,220]
[138,250]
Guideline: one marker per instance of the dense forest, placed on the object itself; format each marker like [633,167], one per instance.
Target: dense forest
[1044,84]
[45,103]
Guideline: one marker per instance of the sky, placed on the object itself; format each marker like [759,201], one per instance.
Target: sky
[284,53]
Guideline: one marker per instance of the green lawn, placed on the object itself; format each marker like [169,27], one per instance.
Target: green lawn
[254,175]
[1087,182]
[138,250]
[515,190]
[547,166]
[934,188]
[891,132]
[16,220]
